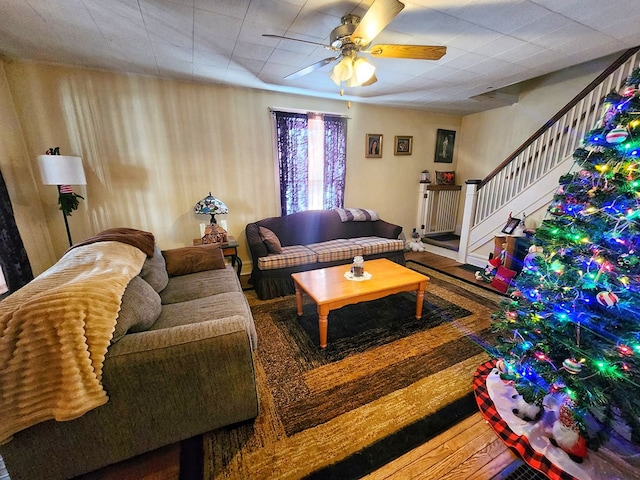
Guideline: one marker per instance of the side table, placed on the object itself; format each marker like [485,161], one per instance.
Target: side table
[229,249]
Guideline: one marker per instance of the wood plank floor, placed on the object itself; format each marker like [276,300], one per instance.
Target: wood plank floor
[468,451]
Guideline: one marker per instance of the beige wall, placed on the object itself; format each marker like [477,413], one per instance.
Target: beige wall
[152,148]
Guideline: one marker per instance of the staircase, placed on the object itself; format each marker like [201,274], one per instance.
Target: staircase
[522,182]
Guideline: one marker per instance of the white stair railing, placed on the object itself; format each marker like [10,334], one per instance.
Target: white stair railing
[551,145]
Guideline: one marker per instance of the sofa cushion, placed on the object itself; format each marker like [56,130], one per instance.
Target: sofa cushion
[185,260]
[333,250]
[213,307]
[139,310]
[271,240]
[154,270]
[290,257]
[375,245]
[200,284]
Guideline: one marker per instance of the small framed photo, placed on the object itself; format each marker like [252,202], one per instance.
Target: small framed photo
[511,225]
[373,145]
[403,145]
[444,146]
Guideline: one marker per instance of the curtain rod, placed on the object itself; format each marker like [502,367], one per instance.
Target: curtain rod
[298,110]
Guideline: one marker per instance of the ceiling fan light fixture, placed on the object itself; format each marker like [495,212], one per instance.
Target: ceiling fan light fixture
[363,70]
[352,82]
[343,71]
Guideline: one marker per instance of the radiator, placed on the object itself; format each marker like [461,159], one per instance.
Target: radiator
[438,208]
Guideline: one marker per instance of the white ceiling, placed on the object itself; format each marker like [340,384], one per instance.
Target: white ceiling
[491,44]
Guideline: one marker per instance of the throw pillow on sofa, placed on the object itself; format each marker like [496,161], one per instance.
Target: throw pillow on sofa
[140,308]
[271,240]
[154,271]
[185,260]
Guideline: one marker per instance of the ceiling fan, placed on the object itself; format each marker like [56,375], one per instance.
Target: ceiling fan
[353,36]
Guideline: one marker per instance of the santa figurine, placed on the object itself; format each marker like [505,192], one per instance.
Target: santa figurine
[566,433]
[492,266]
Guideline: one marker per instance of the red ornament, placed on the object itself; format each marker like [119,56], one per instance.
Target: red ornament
[607,299]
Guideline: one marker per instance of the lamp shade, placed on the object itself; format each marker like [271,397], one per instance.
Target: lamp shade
[61,170]
[343,70]
[363,70]
[210,205]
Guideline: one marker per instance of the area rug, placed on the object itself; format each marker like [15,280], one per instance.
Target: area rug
[385,384]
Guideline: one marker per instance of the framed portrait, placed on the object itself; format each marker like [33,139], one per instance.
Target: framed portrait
[444,146]
[373,145]
[402,145]
[511,225]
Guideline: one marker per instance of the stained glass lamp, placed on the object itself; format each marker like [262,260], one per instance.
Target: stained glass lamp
[210,205]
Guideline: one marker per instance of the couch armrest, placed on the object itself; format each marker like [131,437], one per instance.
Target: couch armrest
[386,229]
[257,248]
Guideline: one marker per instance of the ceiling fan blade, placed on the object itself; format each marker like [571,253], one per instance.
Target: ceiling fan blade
[310,68]
[377,17]
[328,47]
[418,52]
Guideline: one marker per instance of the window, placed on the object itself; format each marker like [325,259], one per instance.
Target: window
[311,155]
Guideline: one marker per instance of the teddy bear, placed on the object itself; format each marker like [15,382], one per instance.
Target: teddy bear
[415,244]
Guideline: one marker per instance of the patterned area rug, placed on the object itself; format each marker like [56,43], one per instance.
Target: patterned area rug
[385,383]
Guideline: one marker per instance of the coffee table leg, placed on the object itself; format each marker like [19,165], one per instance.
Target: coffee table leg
[298,299]
[420,300]
[323,324]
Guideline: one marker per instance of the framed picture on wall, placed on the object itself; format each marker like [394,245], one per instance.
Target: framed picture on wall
[373,145]
[402,145]
[444,146]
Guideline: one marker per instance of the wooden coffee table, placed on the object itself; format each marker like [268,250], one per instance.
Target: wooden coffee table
[329,288]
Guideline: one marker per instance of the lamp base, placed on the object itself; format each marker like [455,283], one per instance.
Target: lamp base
[214,233]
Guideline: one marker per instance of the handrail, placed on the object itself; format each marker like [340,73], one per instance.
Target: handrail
[563,111]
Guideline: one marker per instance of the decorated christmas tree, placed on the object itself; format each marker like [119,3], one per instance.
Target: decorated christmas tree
[571,328]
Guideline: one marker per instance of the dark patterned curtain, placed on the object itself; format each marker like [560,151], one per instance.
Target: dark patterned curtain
[335,165]
[293,160]
[13,257]
[292,130]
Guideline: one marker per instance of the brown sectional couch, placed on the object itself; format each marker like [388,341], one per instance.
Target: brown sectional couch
[315,239]
[180,364]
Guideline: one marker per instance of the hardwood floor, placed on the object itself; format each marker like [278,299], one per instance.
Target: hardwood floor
[468,451]
[444,264]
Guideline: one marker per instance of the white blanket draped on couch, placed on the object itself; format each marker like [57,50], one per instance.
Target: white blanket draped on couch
[54,335]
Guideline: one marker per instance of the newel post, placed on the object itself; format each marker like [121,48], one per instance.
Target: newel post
[468,215]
